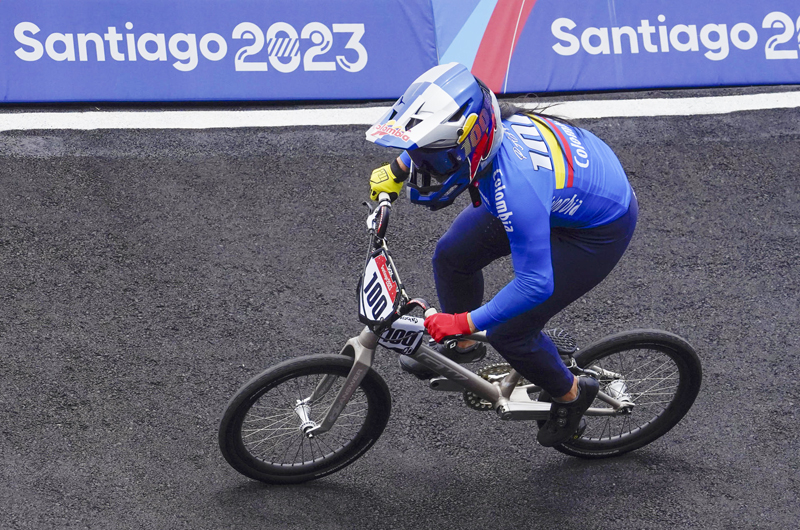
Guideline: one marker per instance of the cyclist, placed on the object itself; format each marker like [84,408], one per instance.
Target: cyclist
[552,195]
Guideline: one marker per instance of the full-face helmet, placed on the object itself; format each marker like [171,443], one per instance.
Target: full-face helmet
[449,124]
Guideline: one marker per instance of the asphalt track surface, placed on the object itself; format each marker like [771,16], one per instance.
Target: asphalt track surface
[146,275]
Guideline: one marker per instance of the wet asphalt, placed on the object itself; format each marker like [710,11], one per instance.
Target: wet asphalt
[146,275]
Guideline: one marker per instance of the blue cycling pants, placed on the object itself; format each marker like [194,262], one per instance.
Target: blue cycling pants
[581,259]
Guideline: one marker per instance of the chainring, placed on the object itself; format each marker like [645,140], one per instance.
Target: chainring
[491,373]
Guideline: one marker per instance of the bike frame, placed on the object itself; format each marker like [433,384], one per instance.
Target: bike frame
[507,397]
[510,400]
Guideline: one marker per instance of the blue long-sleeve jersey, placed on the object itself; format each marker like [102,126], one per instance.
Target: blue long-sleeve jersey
[546,174]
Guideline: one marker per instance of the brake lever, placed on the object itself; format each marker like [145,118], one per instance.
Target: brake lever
[373,212]
[412,304]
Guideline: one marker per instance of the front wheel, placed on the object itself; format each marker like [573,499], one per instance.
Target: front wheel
[262,430]
[658,372]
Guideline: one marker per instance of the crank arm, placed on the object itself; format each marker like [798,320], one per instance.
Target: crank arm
[593,411]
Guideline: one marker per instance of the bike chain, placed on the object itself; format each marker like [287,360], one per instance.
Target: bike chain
[474,401]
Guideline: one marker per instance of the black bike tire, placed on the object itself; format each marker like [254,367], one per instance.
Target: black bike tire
[691,374]
[230,429]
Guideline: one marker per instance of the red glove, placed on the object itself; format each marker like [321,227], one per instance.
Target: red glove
[441,325]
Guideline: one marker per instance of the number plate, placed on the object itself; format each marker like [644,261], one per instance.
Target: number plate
[378,291]
[404,335]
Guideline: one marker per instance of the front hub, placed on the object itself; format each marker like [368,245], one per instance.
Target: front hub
[303,411]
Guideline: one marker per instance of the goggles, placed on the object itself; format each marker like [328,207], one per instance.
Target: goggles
[438,163]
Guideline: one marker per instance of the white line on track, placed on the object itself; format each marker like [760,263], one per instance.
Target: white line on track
[233,119]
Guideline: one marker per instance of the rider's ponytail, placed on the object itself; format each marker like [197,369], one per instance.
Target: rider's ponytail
[508,109]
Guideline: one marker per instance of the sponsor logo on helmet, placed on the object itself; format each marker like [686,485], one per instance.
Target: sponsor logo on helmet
[478,143]
[382,130]
[468,125]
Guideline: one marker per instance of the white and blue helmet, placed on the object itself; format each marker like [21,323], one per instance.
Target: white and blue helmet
[449,124]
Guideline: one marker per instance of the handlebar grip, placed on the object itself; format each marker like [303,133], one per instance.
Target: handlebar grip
[430,311]
[384,209]
[382,222]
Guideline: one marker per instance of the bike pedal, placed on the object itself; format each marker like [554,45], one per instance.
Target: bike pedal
[473,354]
[565,343]
[581,429]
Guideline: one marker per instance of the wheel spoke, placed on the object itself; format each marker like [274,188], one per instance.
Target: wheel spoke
[271,429]
[651,378]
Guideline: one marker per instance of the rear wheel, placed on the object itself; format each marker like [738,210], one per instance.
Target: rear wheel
[658,372]
[262,430]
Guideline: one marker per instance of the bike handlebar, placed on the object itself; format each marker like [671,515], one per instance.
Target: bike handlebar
[382,217]
[430,311]
[379,220]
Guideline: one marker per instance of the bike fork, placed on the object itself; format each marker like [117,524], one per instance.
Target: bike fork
[362,349]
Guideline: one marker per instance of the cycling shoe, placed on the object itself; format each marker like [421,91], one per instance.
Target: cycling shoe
[471,354]
[544,396]
[565,418]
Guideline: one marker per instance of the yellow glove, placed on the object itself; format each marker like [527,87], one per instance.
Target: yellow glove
[385,179]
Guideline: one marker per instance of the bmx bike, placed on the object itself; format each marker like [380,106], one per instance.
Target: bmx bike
[311,416]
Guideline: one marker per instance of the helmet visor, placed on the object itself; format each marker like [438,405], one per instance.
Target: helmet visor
[438,163]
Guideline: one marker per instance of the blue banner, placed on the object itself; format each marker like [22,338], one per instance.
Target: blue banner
[217,50]
[658,43]
[184,50]
[558,45]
